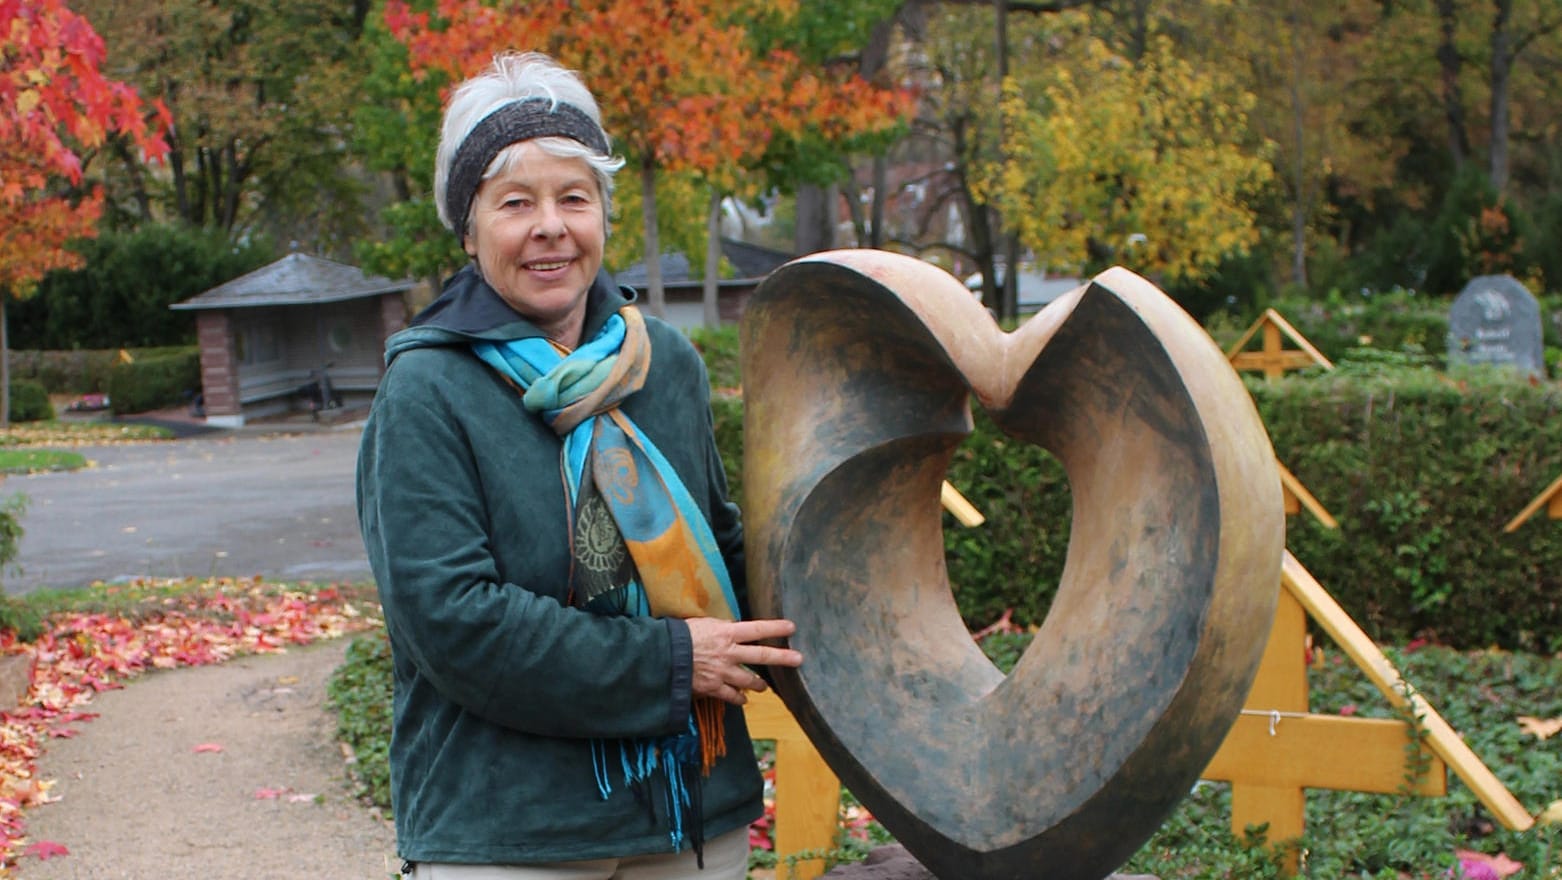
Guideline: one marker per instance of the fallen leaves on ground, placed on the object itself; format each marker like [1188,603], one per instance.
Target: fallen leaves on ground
[83,654]
[1479,866]
[72,434]
[1552,814]
[47,849]
[1542,728]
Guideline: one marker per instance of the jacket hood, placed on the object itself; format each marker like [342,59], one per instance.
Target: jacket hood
[468,310]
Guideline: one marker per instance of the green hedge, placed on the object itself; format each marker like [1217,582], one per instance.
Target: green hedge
[1422,471]
[84,371]
[155,379]
[29,402]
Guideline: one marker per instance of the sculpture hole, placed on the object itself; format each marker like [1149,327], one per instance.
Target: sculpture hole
[1005,572]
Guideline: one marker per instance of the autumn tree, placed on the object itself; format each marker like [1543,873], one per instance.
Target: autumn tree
[55,105]
[1303,63]
[851,40]
[956,134]
[1146,163]
[680,85]
[820,109]
[261,93]
[395,133]
[1465,90]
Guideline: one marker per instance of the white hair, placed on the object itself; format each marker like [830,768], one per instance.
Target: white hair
[516,76]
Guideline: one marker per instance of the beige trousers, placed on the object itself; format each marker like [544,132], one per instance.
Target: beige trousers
[726,858]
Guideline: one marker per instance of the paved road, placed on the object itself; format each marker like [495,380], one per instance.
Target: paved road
[225,504]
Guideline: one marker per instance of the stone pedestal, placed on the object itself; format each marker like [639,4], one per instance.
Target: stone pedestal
[894,863]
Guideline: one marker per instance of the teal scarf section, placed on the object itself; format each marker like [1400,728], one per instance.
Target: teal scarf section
[678,569]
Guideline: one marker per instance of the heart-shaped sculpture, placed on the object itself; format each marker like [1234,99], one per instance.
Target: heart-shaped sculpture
[858,367]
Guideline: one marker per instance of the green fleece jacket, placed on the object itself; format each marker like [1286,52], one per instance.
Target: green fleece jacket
[500,685]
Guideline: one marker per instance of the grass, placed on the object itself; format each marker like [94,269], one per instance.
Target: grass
[62,433]
[28,461]
[1349,835]
[29,447]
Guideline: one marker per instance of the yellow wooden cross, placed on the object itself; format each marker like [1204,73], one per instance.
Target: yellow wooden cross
[1551,499]
[808,794]
[1274,359]
[1277,748]
[964,511]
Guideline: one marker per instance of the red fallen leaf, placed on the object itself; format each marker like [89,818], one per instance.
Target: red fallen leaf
[63,732]
[47,849]
[759,834]
[269,794]
[208,747]
[1480,865]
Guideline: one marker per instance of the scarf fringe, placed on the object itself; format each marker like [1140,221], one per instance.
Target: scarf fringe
[677,758]
[710,721]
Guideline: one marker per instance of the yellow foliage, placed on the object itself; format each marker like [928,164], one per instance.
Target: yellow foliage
[1149,163]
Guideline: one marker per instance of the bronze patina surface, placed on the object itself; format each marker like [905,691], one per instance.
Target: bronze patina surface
[858,370]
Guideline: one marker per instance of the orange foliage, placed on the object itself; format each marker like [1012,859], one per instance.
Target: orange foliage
[679,85]
[54,102]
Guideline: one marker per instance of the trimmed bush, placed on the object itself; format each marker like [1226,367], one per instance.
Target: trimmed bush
[155,379]
[30,402]
[120,295]
[81,371]
[1423,471]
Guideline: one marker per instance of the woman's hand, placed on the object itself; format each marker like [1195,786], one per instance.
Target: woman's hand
[723,653]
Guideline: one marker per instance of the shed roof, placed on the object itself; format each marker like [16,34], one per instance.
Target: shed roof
[296,279]
[752,260]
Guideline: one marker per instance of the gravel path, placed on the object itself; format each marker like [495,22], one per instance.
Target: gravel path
[144,793]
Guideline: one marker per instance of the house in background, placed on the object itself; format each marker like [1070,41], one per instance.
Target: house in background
[685,295]
[264,335]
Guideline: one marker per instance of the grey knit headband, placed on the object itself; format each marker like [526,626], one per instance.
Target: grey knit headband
[517,121]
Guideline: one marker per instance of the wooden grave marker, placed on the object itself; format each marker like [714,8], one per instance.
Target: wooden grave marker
[1297,499]
[1273,359]
[1276,750]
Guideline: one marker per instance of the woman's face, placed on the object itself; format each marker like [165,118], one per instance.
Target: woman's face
[537,234]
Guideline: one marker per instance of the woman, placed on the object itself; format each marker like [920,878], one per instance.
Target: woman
[547,518]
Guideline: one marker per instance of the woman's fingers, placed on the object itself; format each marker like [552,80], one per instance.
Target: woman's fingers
[722,655]
[764,655]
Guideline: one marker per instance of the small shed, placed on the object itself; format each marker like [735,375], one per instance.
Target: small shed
[265,334]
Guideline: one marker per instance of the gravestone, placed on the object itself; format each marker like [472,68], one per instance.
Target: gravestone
[1496,321]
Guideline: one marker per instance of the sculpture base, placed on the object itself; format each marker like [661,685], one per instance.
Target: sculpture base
[892,862]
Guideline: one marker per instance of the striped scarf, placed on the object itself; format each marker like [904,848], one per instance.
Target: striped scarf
[674,567]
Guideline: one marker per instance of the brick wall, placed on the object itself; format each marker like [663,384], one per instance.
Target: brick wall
[219,367]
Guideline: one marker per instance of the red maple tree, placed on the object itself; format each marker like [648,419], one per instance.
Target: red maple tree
[55,105]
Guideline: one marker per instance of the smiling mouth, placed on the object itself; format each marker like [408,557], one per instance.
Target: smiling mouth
[547,266]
